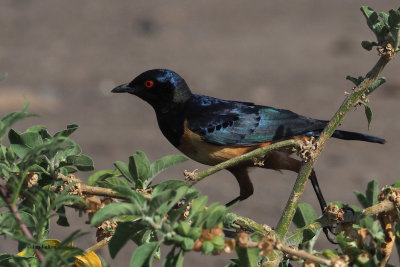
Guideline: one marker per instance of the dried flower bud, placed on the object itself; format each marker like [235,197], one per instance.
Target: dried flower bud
[242,239]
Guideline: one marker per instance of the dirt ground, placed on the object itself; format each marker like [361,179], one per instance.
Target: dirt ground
[64,57]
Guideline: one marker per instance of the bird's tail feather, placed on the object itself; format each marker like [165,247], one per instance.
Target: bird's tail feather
[346,135]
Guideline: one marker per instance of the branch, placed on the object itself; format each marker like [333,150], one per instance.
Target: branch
[296,236]
[302,254]
[14,210]
[268,244]
[247,224]
[98,245]
[260,152]
[383,206]
[307,167]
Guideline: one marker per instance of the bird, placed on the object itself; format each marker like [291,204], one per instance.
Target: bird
[211,130]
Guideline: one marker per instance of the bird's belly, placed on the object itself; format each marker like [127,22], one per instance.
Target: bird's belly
[194,147]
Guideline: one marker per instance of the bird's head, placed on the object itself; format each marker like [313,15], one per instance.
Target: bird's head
[159,87]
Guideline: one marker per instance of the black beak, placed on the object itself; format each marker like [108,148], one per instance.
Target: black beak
[123,88]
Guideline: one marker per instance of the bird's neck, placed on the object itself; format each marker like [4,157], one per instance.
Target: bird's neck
[170,120]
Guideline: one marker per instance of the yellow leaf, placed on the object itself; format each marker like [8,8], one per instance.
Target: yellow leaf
[88,260]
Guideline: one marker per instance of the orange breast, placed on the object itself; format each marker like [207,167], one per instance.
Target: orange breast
[209,154]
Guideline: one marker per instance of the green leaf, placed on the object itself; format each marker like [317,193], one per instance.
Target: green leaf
[170,184]
[394,18]
[397,240]
[183,228]
[187,244]
[370,15]
[67,170]
[62,217]
[372,193]
[368,114]
[174,260]
[143,255]
[228,220]
[139,168]
[65,133]
[81,162]
[22,143]
[304,215]
[121,236]
[197,206]
[35,168]
[248,257]
[164,163]
[112,210]
[115,181]
[167,205]
[12,118]
[300,237]
[361,198]
[9,224]
[357,81]
[218,242]
[49,148]
[368,45]
[161,198]
[215,216]
[397,184]
[207,247]
[124,169]
[195,232]
[71,150]
[102,175]
[137,198]
[66,199]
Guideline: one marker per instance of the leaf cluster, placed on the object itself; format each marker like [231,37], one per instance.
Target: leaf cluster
[28,168]
[385,27]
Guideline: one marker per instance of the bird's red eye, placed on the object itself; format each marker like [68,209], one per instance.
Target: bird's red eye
[149,84]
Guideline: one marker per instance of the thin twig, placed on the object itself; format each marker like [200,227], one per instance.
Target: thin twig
[98,245]
[14,210]
[247,224]
[383,206]
[302,254]
[245,157]
[93,190]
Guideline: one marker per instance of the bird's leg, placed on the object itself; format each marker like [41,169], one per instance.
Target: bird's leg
[282,161]
[246,186]
[317,190]
[323,206]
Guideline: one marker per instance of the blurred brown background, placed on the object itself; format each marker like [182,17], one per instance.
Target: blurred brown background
[66,56]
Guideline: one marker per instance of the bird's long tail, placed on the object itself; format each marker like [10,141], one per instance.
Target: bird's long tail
[346,135]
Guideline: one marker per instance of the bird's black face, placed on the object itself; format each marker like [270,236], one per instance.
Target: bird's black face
[159,87]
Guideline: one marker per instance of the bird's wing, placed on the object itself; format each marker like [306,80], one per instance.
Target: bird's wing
[223,122]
